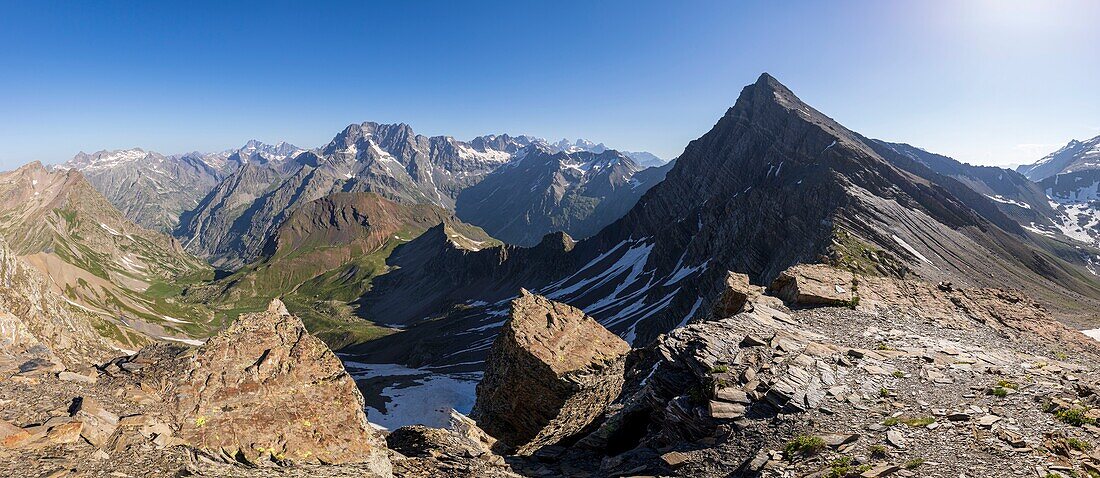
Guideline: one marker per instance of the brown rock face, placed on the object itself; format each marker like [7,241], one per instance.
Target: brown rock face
[813,284]
[551,372]
[264,390]
[737,296]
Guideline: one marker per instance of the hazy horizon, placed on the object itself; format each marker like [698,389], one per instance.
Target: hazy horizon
[964,79]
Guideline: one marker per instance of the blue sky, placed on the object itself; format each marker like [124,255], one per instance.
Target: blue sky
[991,82]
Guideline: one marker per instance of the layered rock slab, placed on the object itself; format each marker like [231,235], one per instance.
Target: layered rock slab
[550,373]
[265,391]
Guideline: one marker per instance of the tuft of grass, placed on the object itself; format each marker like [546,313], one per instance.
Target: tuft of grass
[843,467]
[719,369]
[1008,384]
[1079,445]
[883,392]
[899,374]
[804,445]
[913,464]
[919,421]
[999,392]
[891,421]
[878,451]
[1074,416]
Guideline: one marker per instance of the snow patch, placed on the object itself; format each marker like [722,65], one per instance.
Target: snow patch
[1004,200]
[184,341]
[416,396]
[109,230]
[907,247]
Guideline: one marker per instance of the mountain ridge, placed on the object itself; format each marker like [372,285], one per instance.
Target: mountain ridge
[774,183]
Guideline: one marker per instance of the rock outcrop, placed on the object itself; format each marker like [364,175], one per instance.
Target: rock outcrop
[462,449]
[551,373]
[913,374]
[813,284]
[265,391]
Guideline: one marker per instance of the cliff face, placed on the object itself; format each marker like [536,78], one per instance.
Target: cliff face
[542,191]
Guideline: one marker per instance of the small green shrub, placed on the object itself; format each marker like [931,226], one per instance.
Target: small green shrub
[1074,416]
[878,451]
[842,467]
[899,374]
[914,463]
[1079,445]
[890,421]
[719,369]
[1008,384]
[700,394]
[804,445]
[999,392]
[919,421]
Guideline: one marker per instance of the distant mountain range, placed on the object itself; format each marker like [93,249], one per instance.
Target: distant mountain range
[224,205]
[153,190]
[1073,157]
[541,191]
[1070,178]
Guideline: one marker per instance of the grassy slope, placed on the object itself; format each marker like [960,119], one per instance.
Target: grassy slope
[319,277]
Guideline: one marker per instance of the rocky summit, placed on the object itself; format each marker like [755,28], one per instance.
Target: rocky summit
[550,373]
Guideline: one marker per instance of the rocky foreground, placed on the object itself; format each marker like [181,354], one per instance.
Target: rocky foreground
[825,374]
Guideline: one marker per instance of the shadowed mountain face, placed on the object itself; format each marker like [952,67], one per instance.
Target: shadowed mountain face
[542,191]
[774,183]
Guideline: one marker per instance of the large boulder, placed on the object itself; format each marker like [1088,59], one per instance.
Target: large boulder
[814,285]
[550,373]
[266,391]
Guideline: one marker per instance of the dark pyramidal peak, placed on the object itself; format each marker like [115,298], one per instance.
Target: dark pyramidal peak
[772,184]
